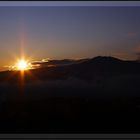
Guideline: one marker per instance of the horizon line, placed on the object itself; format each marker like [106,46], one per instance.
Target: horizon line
[76,59]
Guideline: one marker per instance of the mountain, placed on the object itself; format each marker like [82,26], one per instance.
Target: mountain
[104,67]
[100,67]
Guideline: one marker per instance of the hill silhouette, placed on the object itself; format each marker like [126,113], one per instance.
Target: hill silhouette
[74,96]
[86,69]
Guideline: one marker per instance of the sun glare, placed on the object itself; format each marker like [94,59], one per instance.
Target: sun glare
[23,65]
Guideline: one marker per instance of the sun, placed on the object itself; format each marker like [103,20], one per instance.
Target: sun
[22,65]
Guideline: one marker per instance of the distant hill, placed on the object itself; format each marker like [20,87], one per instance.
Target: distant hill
[104,67]
[100,67]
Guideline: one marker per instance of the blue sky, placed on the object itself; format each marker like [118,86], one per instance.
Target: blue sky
[59,32]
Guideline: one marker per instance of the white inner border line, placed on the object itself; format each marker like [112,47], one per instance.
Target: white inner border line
[69,3]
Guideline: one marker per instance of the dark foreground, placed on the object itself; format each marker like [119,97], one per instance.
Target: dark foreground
[70,115]
[101,95]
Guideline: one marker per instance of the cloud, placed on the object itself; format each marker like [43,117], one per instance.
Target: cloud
[131,34]
[45,59]
[41,61]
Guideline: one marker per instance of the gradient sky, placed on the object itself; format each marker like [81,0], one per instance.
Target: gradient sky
[59,32]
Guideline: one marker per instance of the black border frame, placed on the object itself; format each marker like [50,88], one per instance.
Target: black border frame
[73,136]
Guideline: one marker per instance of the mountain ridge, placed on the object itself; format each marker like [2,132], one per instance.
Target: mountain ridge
[89,69]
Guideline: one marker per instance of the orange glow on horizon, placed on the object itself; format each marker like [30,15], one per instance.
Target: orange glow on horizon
[22,65]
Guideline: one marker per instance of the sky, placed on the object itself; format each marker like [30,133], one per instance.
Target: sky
[59,32]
